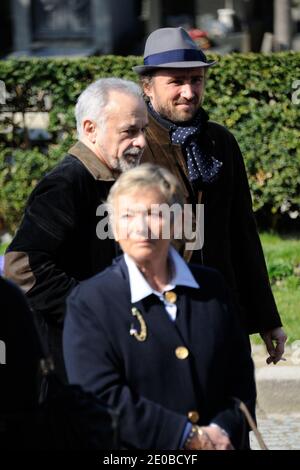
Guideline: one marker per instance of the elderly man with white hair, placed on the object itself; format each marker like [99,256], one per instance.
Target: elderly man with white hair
[56,245]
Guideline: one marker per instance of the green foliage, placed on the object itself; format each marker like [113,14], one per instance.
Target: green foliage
[280,269]
[253,98]
[250,94]
[3,247]
[283,260]
[19,173]
[282,256]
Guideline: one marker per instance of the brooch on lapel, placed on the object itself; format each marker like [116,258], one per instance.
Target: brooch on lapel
[142,335]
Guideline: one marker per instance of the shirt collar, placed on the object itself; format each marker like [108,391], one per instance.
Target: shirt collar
[139,287]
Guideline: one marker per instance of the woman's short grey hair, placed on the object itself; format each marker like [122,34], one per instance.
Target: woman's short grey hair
[148,176]
[93,100]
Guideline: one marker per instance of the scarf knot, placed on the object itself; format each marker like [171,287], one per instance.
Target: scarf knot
[201,166]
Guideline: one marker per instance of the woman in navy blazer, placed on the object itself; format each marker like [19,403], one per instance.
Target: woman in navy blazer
[156,338]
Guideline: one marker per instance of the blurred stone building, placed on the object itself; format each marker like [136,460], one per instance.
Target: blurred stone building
[72,27]
[88,27]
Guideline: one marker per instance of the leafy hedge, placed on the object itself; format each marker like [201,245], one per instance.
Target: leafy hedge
[250,94]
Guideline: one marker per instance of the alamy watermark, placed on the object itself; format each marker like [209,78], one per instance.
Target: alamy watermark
[161,221]
[2,353]
[2,92]
[296,94]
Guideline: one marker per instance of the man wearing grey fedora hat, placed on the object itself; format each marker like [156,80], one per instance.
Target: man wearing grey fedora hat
[208,162]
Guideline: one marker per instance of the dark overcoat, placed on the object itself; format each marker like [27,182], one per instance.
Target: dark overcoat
[56,245]
[231,242]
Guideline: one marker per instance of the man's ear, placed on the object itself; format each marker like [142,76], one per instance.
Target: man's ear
[89,130]
[147,89]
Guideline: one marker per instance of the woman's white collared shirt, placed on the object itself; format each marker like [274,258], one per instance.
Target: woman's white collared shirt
[140,288]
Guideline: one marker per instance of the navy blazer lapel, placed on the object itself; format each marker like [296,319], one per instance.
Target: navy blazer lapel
[120,267]
[159,325]
[153,312]
[183,319]
[168,334]
[205,336]
[179,333]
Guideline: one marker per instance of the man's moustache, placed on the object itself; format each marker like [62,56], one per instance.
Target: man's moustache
[193,101]
[133,153]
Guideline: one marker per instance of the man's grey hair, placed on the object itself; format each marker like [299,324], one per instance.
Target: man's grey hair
[146,80]
[93,100]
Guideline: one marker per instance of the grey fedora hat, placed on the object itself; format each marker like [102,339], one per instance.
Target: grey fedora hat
[171,48]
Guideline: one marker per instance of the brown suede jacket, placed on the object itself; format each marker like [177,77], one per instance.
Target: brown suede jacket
[231,241]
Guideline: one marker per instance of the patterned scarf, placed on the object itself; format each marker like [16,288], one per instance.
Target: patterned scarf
[201,166]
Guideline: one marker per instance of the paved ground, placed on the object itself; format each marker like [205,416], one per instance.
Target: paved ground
[280,432]
[278,401]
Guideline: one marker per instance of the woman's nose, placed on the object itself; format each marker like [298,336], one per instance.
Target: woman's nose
[139,225]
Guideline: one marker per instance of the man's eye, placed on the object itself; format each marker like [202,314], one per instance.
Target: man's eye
[198,80]
[129,132]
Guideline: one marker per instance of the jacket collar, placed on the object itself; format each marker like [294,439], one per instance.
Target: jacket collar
[92,163]
[140,288]
[159,133]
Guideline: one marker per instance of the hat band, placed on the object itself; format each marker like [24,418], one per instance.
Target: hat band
[176,55]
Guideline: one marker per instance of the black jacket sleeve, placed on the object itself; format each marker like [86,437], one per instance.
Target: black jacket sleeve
[32,259]
[240,380]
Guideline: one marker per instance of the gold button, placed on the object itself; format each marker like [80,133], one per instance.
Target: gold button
[181,352]
[193,416]
[170,296]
